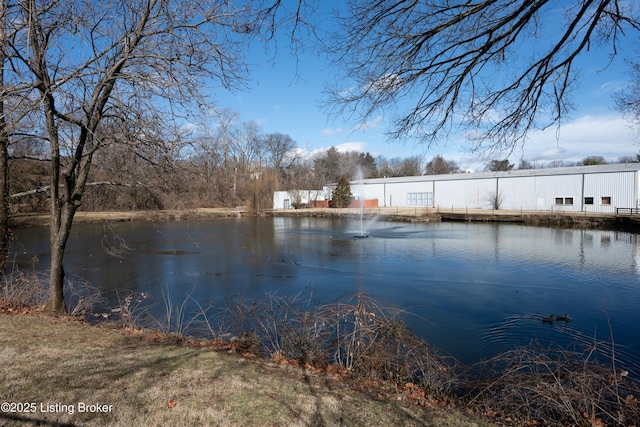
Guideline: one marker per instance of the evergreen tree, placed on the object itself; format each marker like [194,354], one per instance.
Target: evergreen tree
[341,196]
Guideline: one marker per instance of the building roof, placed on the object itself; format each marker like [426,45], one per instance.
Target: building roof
[611,168]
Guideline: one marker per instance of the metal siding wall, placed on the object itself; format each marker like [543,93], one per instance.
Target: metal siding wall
[617,185]
[397,192]
[517,193]
[524,192]
[540,192]
[466,193]
[278,199]
[374,191]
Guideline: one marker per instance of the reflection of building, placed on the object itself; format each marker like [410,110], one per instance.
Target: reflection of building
[600,188]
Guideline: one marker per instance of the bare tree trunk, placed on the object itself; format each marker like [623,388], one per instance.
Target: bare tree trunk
[55,302]
[4,190]
[4,148]
[58,241]
[58,230]
[60,224]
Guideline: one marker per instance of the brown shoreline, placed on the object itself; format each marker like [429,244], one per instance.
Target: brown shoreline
[581,220]
[42,219]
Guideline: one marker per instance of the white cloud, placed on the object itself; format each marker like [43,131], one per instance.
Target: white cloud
[351,146]
[342,148]
[552,153]
[613,86]
[347,92]
[608,136]
[371,124]
[329,131]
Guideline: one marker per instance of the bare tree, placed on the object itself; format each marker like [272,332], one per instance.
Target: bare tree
[96,66]
[628,100]
[15,106]
[441,166]
[411,166]
[495,199]
[629,159]
[4,143]
[397,166]
[525,164]
[479,66]
[280,150]
[246,148]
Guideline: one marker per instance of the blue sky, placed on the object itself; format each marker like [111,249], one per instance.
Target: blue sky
[284,95]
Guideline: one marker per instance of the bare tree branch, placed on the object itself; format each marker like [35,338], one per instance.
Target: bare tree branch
[494,68]
[121,72]
[47,188]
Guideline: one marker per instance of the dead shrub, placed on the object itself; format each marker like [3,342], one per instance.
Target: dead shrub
[558,387]
[131,309]
[368,340]
[82,298]
[23,289]
[374,342]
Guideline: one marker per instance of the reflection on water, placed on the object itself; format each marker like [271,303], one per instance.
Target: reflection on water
[473,289]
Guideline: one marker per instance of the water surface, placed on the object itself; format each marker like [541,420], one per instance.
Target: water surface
[474,290]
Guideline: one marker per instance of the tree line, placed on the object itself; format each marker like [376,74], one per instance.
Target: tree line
[230,163]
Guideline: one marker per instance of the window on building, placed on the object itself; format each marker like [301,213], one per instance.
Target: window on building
[588,200]
[564,201]
[419,199]
[605,200]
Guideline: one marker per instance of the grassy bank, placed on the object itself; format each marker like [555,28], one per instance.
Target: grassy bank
[52,367]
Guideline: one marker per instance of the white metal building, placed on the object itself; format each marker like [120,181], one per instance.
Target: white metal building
[601,188]
[287,199]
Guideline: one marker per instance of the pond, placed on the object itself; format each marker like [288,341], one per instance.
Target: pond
[473,290]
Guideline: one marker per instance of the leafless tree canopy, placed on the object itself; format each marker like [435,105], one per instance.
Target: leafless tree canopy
[120,72]
[628,101]
[496,68]
[439,165]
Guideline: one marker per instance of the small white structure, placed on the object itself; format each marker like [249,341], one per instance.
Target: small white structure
[600,188]
[287,199]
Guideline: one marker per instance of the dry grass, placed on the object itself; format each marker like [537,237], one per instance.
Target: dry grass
[43,219]
[56,361]
[19,289]
[359,335]
[25,290]
[359,340]
[555,386]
